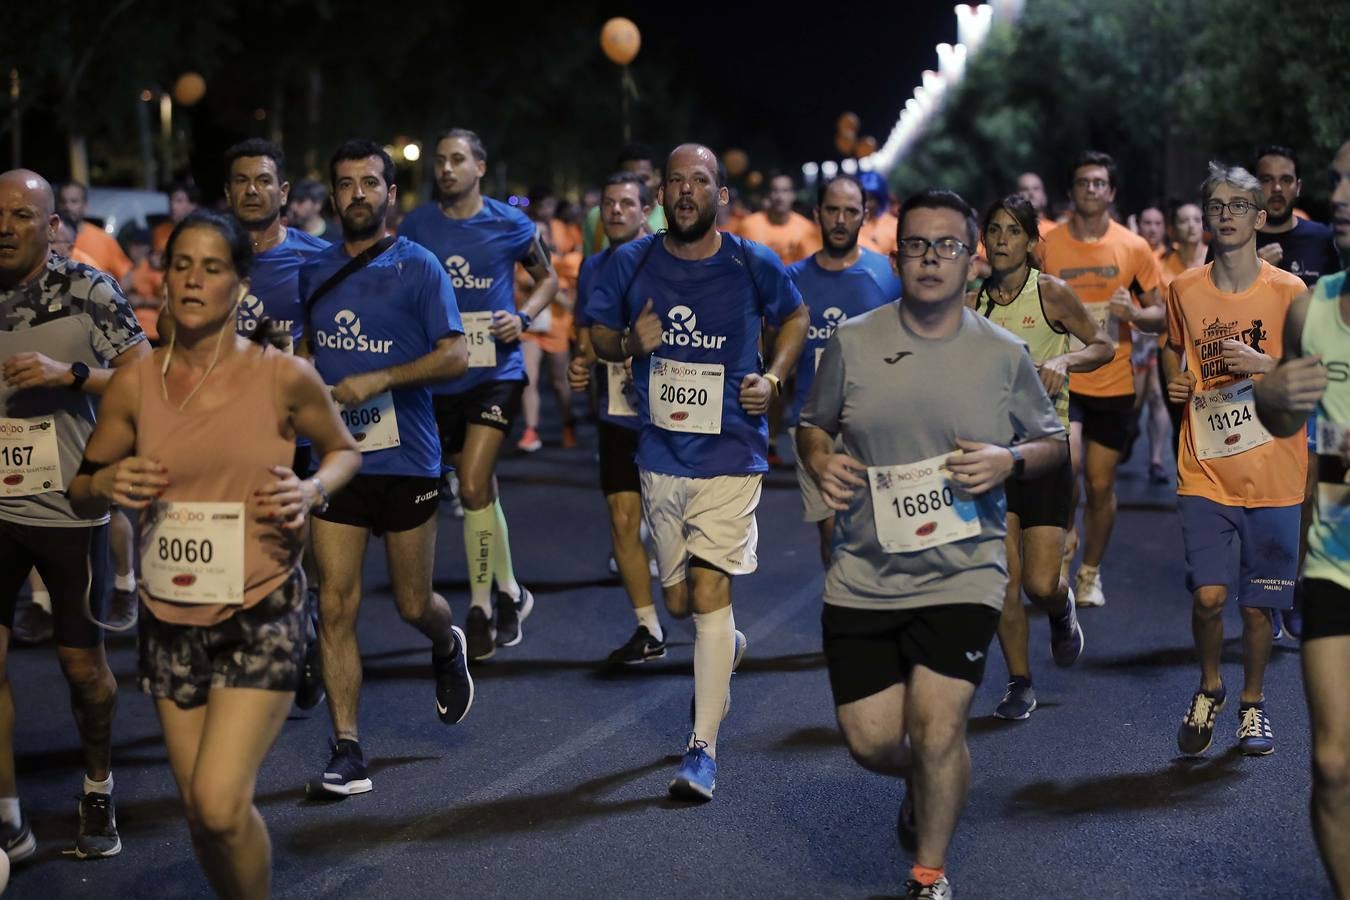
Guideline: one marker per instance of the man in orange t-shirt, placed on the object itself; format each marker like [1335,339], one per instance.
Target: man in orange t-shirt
[1115,274]
[789,234]
[1235,481]
[90,239]
[881,228]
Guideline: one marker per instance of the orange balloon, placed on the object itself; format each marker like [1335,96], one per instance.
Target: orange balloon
[621,40]
[754,179]
[736,161]
[189,89]
[844,142]
[867,145]
[849,122]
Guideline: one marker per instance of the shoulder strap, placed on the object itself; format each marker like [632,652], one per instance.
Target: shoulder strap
[356,263]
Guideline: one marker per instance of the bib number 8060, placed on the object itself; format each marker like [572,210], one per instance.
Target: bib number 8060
[686,396]
[922,504]
[190,550]
[362,417]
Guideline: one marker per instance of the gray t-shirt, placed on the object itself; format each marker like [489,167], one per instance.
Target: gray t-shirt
[72,313]
[897,398]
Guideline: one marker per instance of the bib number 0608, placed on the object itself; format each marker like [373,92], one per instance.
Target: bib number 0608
[189,550]
[923,504]
[361,417]
[671,393]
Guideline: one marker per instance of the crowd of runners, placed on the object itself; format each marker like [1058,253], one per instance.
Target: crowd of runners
[954,382]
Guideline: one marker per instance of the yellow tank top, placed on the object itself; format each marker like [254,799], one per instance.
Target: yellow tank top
[1025,318]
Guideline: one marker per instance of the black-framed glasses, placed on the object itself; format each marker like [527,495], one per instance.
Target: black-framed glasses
[945,248]
[1237,208]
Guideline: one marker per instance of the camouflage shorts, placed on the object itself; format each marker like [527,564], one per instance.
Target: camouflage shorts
[258,647]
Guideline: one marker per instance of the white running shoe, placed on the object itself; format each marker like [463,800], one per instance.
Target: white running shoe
[1089,587]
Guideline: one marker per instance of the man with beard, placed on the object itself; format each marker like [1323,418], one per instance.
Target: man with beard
[638,159]
[479,241]
[382,325]
[785,232]
[91,239]
[838,282]
[688,306]
[256,190]
[1294,244]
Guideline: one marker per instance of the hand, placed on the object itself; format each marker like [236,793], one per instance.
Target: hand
[1122,306]
[34,370]
[286,501]
[357,389]
[506,327]
[1297,385]
[579,373]
[1180,388]
[1243,360]
[839,480]
[977,468]
[756,394]
[1054,372]
[1271,253]
[646,334]
[135,482]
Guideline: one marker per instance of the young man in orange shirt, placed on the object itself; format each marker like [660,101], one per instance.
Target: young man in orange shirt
[789,234]
[1236,483]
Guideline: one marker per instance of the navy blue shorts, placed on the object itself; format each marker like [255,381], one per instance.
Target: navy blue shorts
[1266,551]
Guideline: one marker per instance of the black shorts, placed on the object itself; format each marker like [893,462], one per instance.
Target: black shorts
[494,404]
[1045,500]
[302,464]
[1326,609]
[74,565]
[1105,420]
[618,459]
[384,502]
[868,650]
[260,647]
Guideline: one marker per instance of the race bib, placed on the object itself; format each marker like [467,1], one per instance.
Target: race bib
[373,424]
[478,335]
[29,460]
[1101,314]
[194,552]
[686,396]
[916,506]
[617,384]
[1224,421]
[1333,477]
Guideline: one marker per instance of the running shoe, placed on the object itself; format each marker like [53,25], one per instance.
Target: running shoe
[1276,625]
[639,648]
[697,775]
[1018,703]
[1197,727]
[124,611]
[569,437]
[454,684]
[938,890]
[1066,636]
[311,692]
[482,635]
[1254,735]
[32,624]
[1157,474]
[1293,622]
[906,831]
[346,772]
[1089,588]
[529,441]
[18,841]
[98,828]
[510,614]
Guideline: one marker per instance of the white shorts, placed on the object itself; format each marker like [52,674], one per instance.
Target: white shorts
[710,518]
[813,505]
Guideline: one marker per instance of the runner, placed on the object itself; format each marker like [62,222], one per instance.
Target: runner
[640,160]
[61,324]
[838,282]
[625,208]
[198,437]
[1030,186]
[479,240]
[256,190]
[91,240]
[1234,481]
[1151,224]
[1317,331]
[1115,274]
[1189,251]
[382,326]
[786,232]
[688,306]
[1043,312]
[909,612]
[1295,244]
[878,232]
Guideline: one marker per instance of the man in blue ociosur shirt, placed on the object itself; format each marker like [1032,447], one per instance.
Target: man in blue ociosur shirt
[688,306]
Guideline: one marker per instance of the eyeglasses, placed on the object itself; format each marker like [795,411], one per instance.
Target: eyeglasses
[1237,208]
[1097,184]
[945,248]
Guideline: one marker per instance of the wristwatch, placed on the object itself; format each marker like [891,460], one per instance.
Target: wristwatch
[80,372]
[1019,462]
[525,319]
[776,382]
[322,505]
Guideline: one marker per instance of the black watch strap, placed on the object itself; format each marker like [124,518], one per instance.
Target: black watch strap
[80,372]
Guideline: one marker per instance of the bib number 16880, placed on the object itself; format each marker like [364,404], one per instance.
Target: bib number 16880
[686,396]
[922,504]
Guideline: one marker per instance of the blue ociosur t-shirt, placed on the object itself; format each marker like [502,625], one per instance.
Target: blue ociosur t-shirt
[274,285]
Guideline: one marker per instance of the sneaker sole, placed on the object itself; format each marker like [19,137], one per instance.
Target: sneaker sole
[360,786]
[1086,604]
[684,789]
[638,662]
[24,850]
[1022,718]
[463,644]
[1082,645]
[1247,752]
[98,854]
[527,607]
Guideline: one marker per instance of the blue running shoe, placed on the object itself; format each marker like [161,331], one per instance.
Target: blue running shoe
[1066,636]
[1018,703]
[1197,726]
[697,776]
[1254,735]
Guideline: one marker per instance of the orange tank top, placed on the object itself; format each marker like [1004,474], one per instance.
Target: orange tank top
[222,455]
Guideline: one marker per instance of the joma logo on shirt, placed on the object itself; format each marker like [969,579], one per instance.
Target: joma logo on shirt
[348,336]
[461,278]
[683,331]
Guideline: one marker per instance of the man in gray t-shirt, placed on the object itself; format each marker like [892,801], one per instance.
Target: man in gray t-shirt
[62,324]
[936,407]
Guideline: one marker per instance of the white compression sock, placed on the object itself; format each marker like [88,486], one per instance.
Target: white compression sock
[480,538]
[44,600]
[647,617]
[9,811]
[98,787]
[714,648]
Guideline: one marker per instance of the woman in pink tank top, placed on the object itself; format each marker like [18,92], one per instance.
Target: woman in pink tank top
[199,439]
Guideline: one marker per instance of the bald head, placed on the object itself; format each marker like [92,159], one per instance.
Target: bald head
[34,186]
[692,192]
[697,154]
[28,223]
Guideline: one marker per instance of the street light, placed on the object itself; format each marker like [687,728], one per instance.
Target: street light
[412,152]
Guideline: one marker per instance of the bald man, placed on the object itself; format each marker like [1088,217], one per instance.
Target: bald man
[62,324]
[688,306]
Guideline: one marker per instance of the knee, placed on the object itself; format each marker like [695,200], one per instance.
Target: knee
[1208,601]
[89,677]
[216,815]
[934,740]
[1039,585]
[871,752]
[1331,768]
[677,600]
[1101,488]
[475,492]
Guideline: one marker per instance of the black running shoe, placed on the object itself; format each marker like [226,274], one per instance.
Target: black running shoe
[311,692]
[17,841]
[1197,727]
[124,612]
[510,614]
[98,828]
[482,635]
[454,684]
[346,771]
[639,648]
[32,624]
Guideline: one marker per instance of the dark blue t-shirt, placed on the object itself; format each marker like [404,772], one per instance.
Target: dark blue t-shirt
[711,311]
[590,269]
[389,313]
[480,255]
[274,288]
